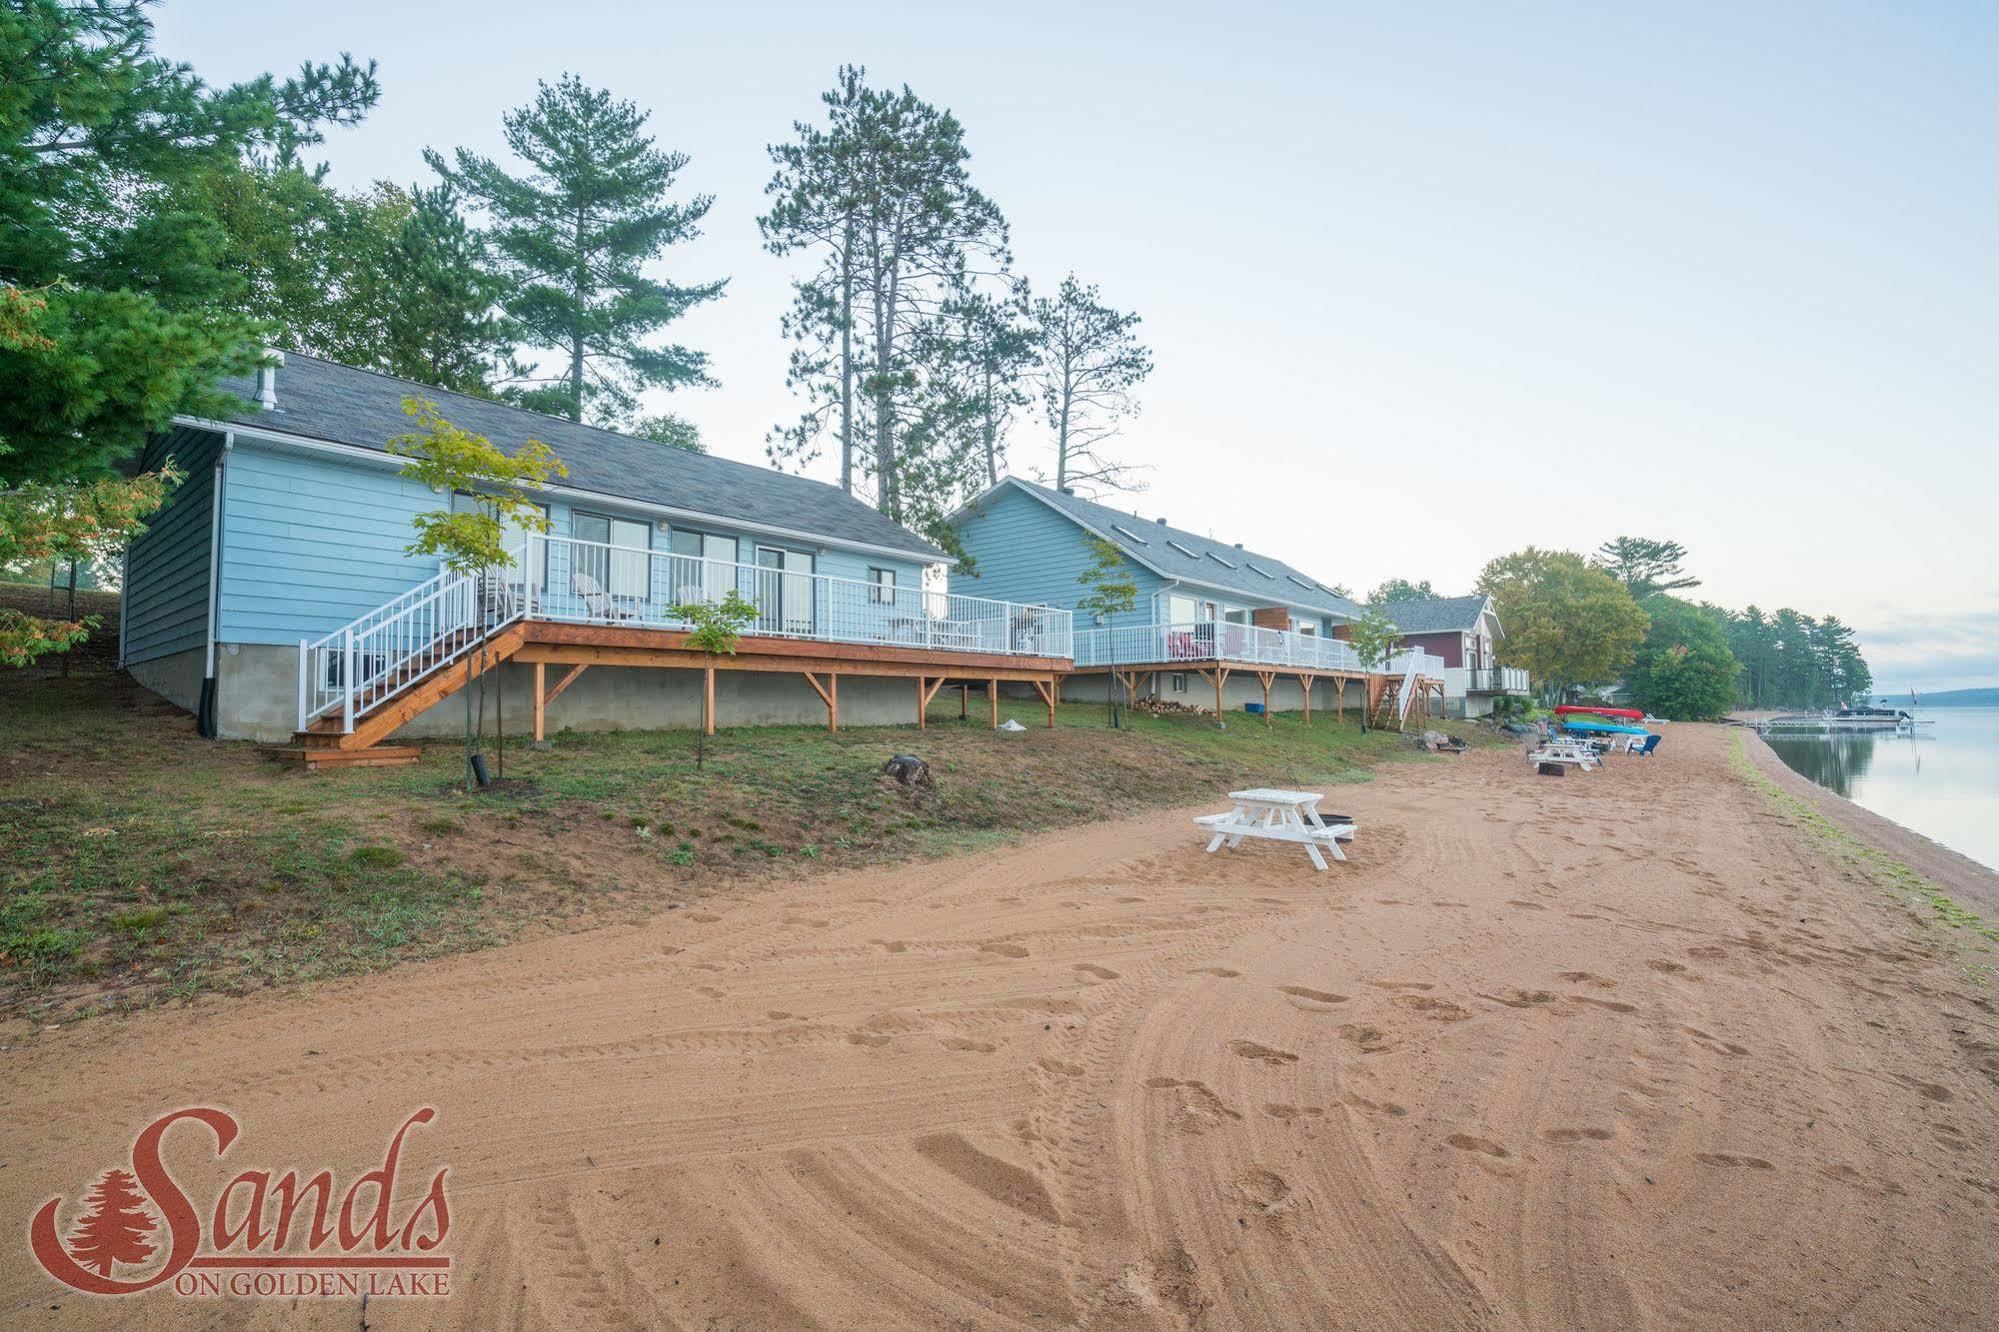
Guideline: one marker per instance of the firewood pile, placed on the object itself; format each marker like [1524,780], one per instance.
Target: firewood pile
[1152,705]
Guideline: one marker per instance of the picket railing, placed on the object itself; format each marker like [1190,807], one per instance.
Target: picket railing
[399,642]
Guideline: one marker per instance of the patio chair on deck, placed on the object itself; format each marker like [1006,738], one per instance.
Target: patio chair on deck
[597,603]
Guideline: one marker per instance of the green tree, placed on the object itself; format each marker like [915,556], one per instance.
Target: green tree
[98,138]
[995,346]
[1567,623]
[441,297]
[1374,638]
[450,460]
[577,230]
[715,628]
[1684,669]
[1644,565]
[883,198]
[1401,589]
[676,432]
[1091,363]
[1111,592]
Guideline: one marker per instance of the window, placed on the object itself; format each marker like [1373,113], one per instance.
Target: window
[881,586]
[624,570]
[784,591]
[1190,554]
[1306,628]
[702,565]
[513,536]
[1180,610]
[1226,564]
[1257,568]
[1130,535]
[1235,616]
[1179,682]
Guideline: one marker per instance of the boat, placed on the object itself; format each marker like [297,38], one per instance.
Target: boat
[1603,728]
[1633,714]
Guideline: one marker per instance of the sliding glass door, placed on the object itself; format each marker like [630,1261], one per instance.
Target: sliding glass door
[784,591]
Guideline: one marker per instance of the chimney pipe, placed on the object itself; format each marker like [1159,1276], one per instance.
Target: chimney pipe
[267,380]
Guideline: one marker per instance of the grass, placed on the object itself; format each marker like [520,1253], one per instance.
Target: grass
[139,863]
[1932,905]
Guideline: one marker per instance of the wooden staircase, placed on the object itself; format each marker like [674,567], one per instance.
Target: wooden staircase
[1388,705]
[390,703]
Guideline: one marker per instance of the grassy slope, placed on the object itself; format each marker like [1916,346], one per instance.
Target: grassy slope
[141,863]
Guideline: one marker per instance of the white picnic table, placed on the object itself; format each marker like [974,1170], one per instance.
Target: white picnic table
[1555,750]
[1279,816]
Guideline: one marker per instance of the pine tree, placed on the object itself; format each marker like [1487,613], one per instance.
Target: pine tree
[1091,360]
[114,1230]
[442,323]
[577,230]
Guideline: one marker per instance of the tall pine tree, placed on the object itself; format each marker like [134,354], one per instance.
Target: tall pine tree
[577,229]
[1091,361]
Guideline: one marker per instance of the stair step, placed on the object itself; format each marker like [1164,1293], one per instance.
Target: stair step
[314,758]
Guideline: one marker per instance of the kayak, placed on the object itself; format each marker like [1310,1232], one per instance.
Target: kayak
[1633,713]
[1606,729]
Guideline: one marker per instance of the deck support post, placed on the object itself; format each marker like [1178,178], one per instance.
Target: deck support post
[1307,679]
[708,696]
[992,700]
[1268,678]
[829,694]
[1047,692]
[540,702]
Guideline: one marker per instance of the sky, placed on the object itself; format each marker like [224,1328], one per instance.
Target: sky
[1424,284]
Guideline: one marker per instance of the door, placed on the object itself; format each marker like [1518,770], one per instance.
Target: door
[615,554]
[784,591]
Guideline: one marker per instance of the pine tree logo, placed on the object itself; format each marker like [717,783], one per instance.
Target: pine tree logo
[115,1226]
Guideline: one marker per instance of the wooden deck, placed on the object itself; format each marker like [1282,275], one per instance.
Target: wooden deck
[1216,671]
[579,647]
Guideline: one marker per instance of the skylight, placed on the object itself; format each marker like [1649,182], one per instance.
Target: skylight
[1226,564]
[1303,582]
[1131,535]
[1190,554]
[1260,569]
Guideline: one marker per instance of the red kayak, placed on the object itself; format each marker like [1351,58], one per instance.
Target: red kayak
[1634,714]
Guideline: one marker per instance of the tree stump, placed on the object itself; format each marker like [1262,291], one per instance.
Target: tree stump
[909,770]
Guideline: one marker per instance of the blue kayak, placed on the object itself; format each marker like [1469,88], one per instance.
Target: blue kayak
[1604,728]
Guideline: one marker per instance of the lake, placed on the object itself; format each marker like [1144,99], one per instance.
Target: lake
[1943,781]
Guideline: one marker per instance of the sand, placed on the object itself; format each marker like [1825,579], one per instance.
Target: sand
[1622,1049]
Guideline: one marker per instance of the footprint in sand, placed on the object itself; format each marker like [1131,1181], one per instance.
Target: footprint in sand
[779,1015]
[1611,1004]
[1523,998]
[1402,985]
[1587,978]
[1566,1135]
[1526,906]
[968,1045]
[890,945]
[705,917]
[1224,972]
[1437,1010]
[1002,1181]
[1389,1108]
[1930,1090]
[1316,996]
[1369,1039]
[1092,969]
[1062,1066]
[1004,949]
[1251,1050]
[1730,1159]
[709,991]
[1670,968]
[806,922]
[1465,1142]
[1287,1113]
[868,1038]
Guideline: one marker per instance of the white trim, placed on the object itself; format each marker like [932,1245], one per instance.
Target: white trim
[375,457]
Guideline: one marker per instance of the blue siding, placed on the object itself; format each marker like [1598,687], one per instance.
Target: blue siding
[166,575]
[1026,551]
[312,543]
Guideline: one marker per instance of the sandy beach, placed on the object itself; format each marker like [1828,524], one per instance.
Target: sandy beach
[1622,1049]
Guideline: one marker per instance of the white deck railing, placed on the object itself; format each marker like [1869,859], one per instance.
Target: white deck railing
[1226,641]
[1460,680]
[589,582]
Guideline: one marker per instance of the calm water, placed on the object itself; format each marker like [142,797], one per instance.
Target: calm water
[1943,781]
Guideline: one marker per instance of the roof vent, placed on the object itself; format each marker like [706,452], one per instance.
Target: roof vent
[1068,490]
[1160,521]
[267,380]
[1238,545]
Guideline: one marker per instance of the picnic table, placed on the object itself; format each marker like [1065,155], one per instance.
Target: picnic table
[1279,816]
[1558,750]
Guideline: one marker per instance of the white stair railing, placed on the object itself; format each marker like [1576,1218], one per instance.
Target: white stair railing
[400,642]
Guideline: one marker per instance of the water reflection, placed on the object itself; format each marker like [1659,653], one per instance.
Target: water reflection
[1835,761]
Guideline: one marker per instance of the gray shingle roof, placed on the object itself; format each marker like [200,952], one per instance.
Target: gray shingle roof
[1440,615]
[1178,553]
[321,399]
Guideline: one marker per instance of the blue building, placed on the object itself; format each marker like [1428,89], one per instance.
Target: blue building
[1215,625]
[274,594]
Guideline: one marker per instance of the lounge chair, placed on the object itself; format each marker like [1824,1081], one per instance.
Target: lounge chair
[597,604]
[1645,750]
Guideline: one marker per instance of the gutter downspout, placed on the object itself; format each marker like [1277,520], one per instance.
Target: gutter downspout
[204,717]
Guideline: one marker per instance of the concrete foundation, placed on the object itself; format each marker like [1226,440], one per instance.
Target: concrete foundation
[257,699]
[1286,694]
[175,678]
